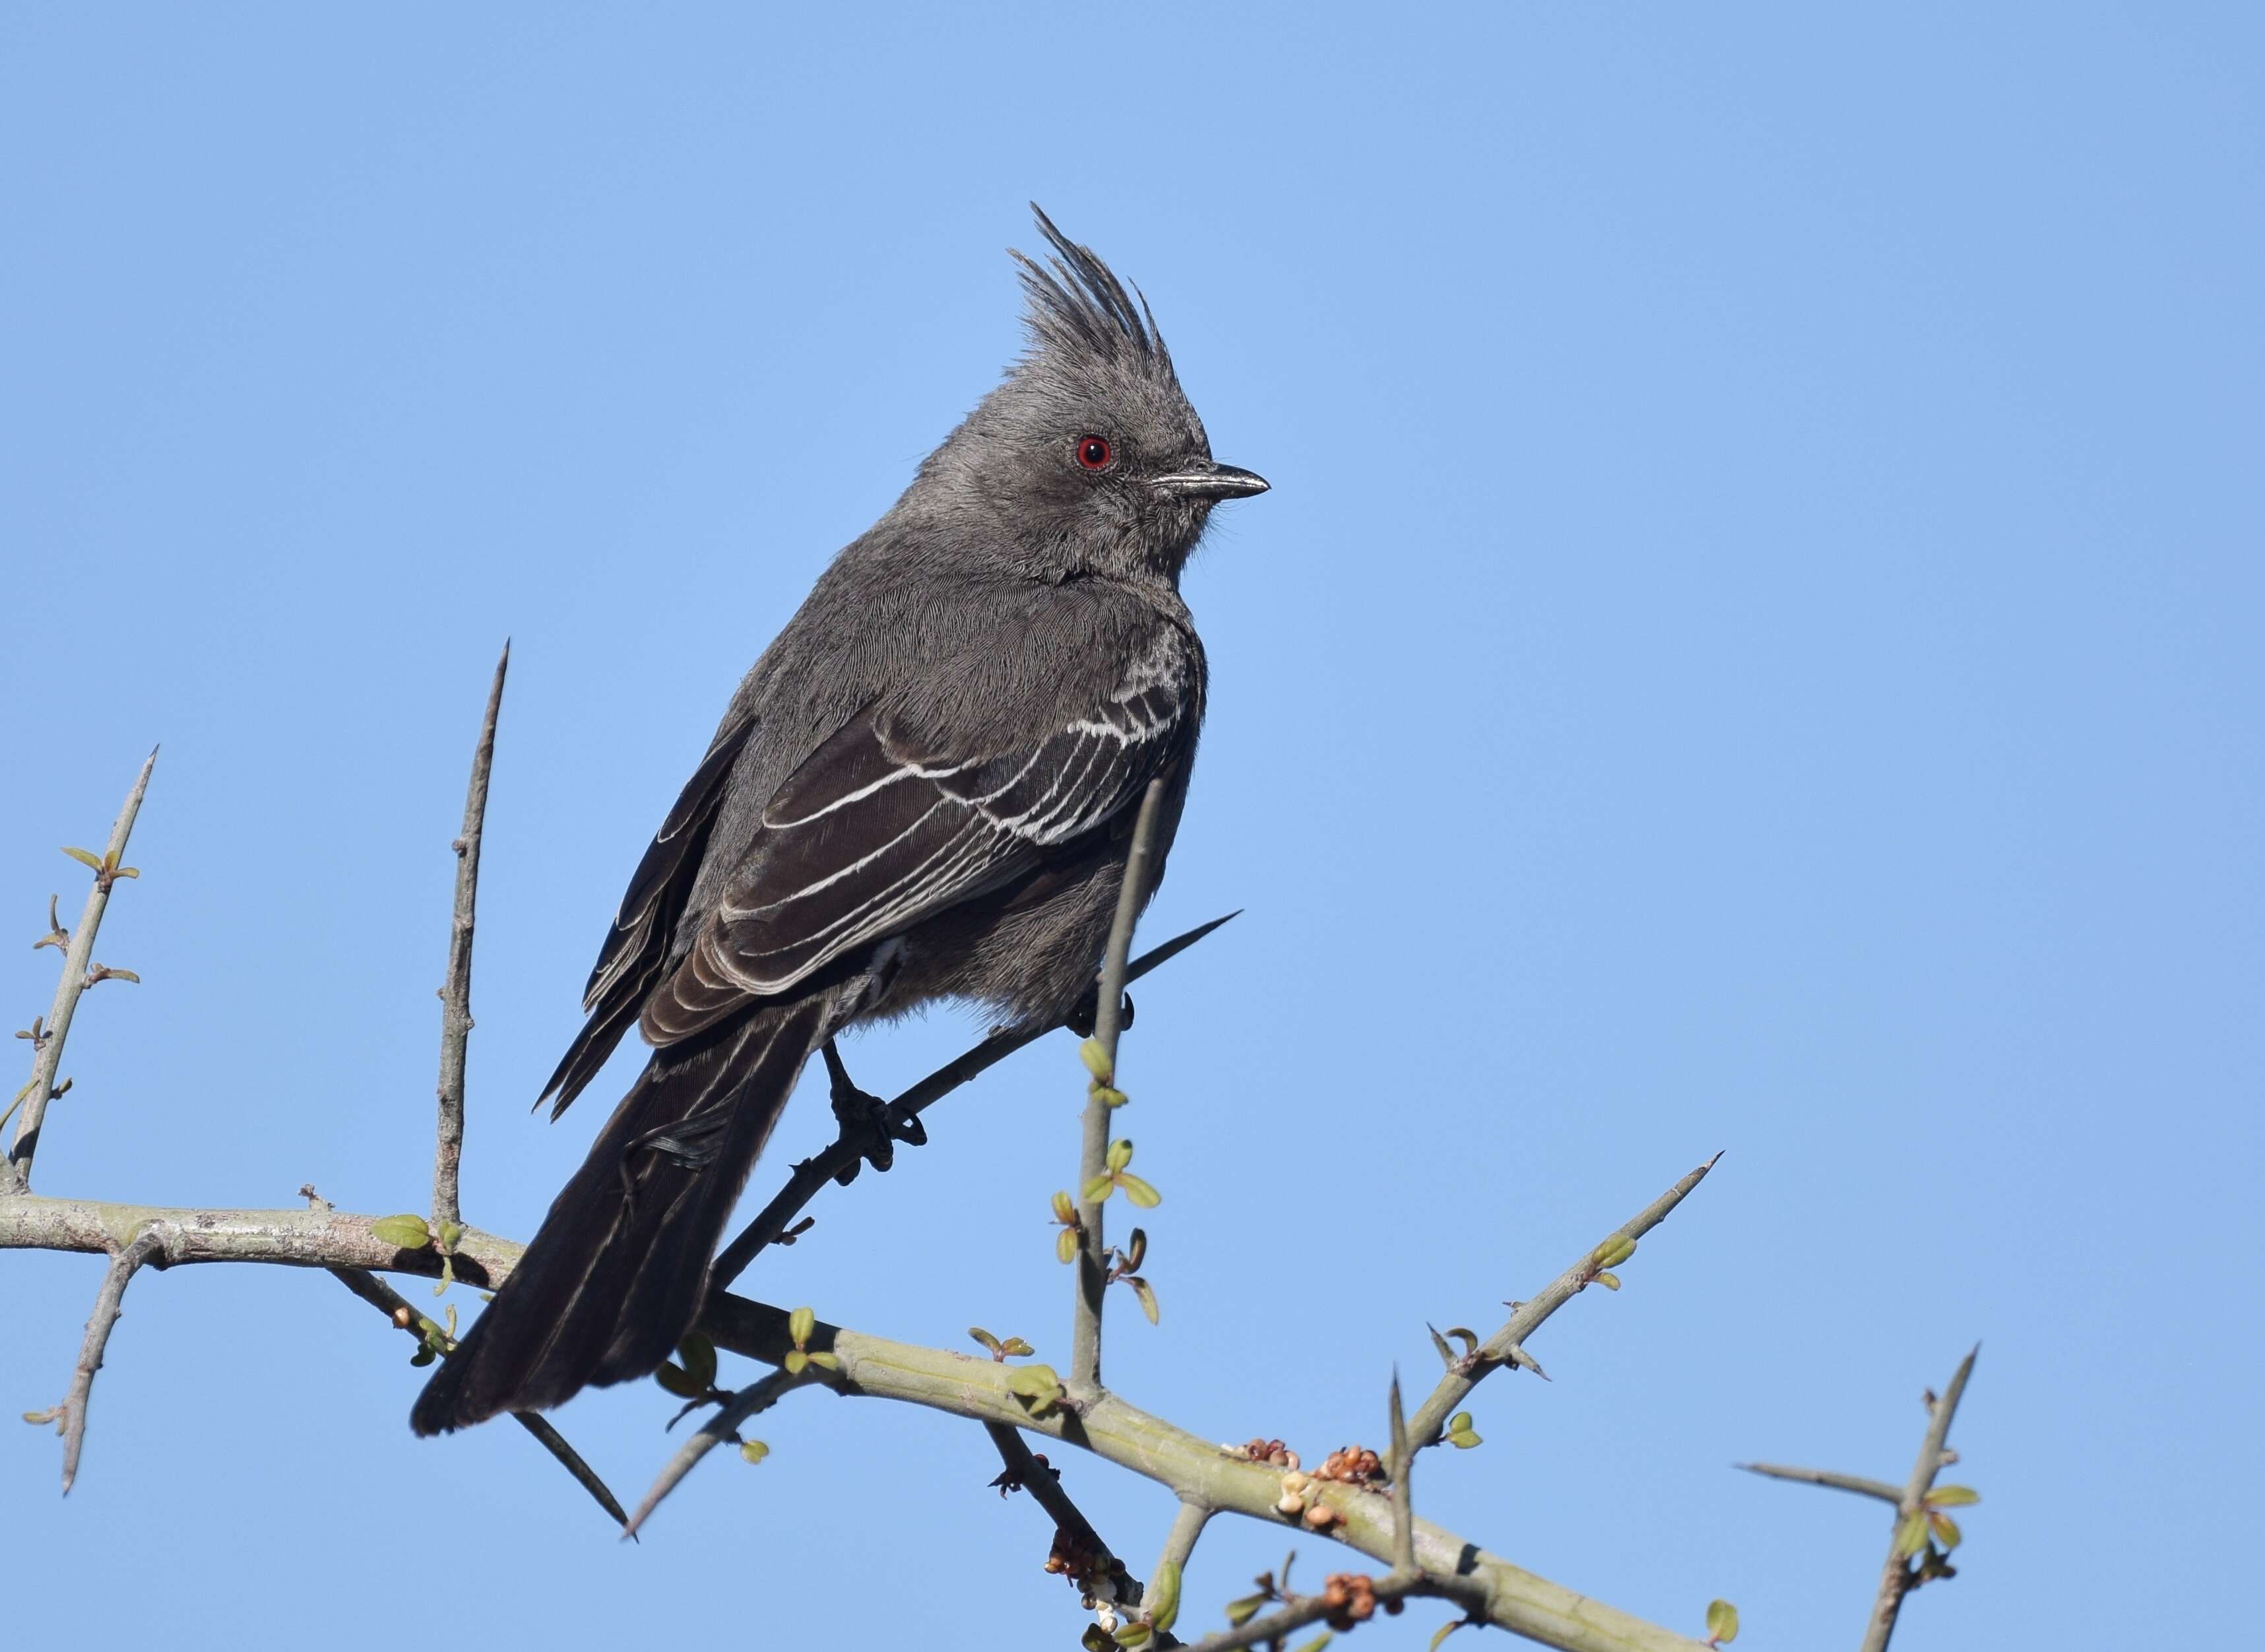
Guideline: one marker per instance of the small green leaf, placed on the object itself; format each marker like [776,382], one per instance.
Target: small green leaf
[1952,1497]
[992,1346]
[1613,1252]
[1096,1639]
[1091,1052]
[1142,1195]
[109,974]
[1446,1354]
[1148,1295]
[403,1232]
[126,871]
[1134,1634]
[1162,1600]
[53,1414]
[1065,1210]
[799,1324]
[1911,1536]
[84,857]
[1098,1190]
[1317,1642]
[423,1357]
[754,1451]
[1120,1154]
[1016,1348]
[826,1360]
[1036,1385]
[1946,1531]
[795,1362]
[1066,1244]
[678,1381]
[1109,1096]
[1241,1612]
[450,1233]
[1609,1280]
[1444,1630]
[1463,1439]
[1721,1622]
[1460,1424]
[699,1357]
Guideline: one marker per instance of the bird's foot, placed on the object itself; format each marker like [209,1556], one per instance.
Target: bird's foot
[870,1125]
[1087,1012]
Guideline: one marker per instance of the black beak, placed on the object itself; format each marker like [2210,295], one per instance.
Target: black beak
[1212,482]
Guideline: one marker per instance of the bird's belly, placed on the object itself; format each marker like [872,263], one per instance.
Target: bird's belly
[1029,951]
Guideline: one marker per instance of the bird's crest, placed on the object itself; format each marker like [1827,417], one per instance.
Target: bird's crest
[1079,307]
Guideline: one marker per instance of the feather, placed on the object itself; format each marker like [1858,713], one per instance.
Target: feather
[614,1276]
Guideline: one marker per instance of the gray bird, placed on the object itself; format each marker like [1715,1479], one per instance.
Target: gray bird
[924,790]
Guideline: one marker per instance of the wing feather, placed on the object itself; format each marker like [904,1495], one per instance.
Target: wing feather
[637,947]
[876,832]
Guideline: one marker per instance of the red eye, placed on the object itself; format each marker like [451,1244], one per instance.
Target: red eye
[1093,452]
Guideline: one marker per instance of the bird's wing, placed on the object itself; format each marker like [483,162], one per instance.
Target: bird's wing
[637,947]
[879,829]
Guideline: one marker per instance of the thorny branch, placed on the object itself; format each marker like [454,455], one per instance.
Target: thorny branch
[1856,1483]
[810,1178]
[109,1302]
[1388,1593]
[877,1368]
[1907,1566]
[1924,1534]
[1507,1346]
[456,991]
[1401,1467]
[396,1307]
[78,973]
[1092,1255]
[1423,1559]
[1162,1599]
[756,1397]
[1033,1474]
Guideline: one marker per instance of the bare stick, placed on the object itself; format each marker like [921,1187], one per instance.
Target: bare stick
[757,1396]
[108,1303]
[1856,1483]
[456,991]
[48,1048]
[1092,1156]
[1507,1346]
[395,1307]
[1899,1576]
[812,1174]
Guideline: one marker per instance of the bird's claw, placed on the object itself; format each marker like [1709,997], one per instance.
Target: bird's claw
[870,1125]
[1084,1017]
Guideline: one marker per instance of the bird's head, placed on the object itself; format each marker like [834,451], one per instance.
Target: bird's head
[1088,453]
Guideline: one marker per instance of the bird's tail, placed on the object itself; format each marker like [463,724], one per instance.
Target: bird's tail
[614,1276]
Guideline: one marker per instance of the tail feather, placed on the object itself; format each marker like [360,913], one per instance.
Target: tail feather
[614,1276]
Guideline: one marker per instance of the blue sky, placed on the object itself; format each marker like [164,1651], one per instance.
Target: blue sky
[1753,647]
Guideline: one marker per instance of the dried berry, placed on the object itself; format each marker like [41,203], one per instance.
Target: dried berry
[1272,1452]
[1350,1598]
[1354,1465]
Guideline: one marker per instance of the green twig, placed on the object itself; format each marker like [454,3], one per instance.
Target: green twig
[48,1049]
[1092,1259]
